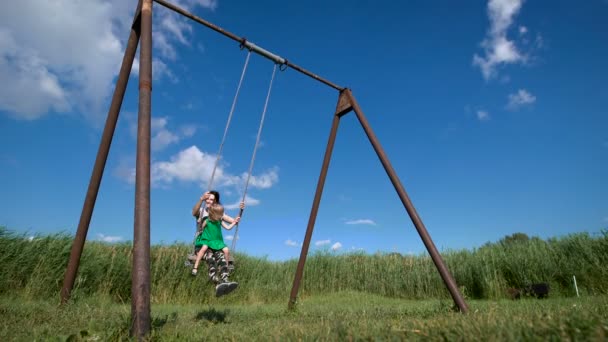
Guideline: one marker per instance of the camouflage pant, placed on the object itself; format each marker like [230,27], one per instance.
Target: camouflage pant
[217,266]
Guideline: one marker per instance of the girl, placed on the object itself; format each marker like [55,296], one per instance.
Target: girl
[210,235]
[201,212]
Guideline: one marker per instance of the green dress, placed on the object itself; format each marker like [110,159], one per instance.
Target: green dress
[211,236]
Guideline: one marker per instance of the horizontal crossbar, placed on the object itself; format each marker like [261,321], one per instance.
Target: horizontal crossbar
[245,43]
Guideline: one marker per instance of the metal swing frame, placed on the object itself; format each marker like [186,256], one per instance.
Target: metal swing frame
[141,30]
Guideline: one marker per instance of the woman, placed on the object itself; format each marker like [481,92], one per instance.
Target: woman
[215,258]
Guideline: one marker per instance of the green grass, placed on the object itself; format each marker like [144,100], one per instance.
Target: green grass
[342,296]
[332,317]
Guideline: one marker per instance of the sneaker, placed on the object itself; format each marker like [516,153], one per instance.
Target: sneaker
[225,288]
[194,271]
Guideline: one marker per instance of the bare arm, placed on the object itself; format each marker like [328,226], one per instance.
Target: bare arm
[231,225]
[197,207]
[230,219]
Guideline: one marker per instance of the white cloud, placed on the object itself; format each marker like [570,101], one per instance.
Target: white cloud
[249,202]
[263,181]
[497,47]
[483,115]
[67,61]
[519,99]
[210,4]
[523,30]
[194,165]
[110,239]
[361,221]
[30,238]
[231,237]
[189,165]
[161,42]
[188,131]
[322,242]
[336,246]
[291,243]
[161,70]
[161,135]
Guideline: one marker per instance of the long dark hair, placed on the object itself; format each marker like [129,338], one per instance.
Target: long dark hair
[217,196]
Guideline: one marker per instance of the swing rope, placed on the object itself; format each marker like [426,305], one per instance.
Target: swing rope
[236,96]
[219,153]
[255,149]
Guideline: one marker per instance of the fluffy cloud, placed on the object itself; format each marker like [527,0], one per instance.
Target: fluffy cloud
[195,166]
[498,49]
[161,135]
[67,61]
[336,246]
[520,99]
[322,242]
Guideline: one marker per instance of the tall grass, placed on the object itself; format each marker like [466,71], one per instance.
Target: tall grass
[35,267]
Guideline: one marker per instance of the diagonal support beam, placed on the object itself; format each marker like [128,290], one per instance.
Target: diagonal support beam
[102,156]
[342,108]
[409,207]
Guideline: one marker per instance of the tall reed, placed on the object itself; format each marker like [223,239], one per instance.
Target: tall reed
[34,267]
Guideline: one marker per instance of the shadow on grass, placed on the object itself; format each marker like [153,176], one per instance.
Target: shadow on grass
[212,316]
[159,322]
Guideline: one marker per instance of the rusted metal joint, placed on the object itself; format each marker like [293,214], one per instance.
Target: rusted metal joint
[284,66]
[243,42]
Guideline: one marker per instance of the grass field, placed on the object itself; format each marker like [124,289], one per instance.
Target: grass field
[342,296]
[335,317]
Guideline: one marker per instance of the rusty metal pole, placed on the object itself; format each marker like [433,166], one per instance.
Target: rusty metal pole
[342,108]
[100,161]
[140,274]
[426,238]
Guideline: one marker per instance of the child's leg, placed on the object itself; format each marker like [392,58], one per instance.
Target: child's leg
[226,253]
[199,256]
[229,263]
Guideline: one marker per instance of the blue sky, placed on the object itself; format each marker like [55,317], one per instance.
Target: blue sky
[493,114]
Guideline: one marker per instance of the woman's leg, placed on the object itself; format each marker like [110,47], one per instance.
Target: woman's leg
[212,265]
